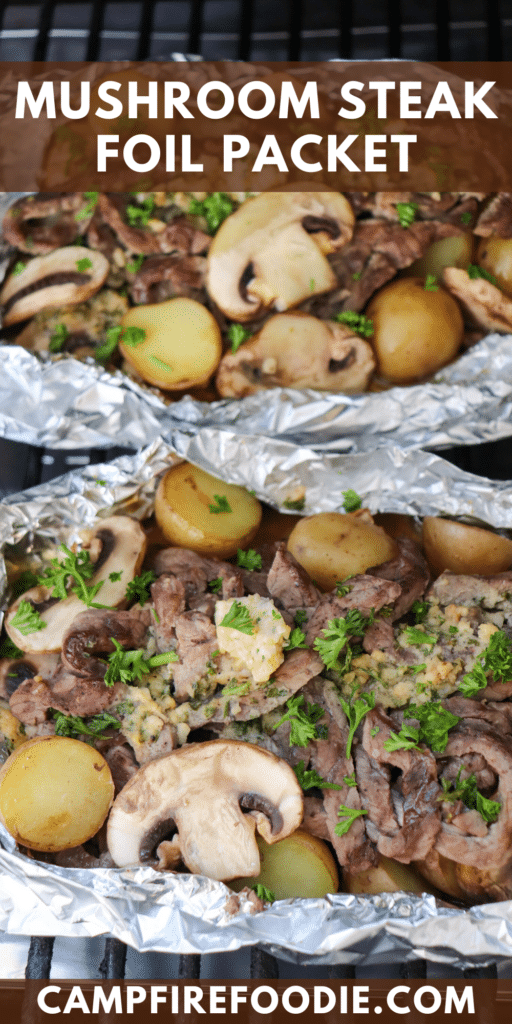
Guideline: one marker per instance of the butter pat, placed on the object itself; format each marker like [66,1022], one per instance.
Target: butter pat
[262,652]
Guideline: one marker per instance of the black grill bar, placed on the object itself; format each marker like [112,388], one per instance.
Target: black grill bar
[114,960]
[263,964]
[45,24]
[189,966]
[195,26]
[96,25]
[442,11]
[394,31]
[346,25]
[294,29]
[147,12]
[39,960]
[494,40]
[246,19]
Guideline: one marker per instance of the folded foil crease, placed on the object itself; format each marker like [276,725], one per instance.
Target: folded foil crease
[158,912]
[59,402]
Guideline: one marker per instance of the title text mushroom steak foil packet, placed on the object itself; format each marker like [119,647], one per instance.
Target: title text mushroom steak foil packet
[346,321]
[393,691]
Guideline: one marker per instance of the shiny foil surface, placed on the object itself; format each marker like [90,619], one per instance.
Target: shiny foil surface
[151,911]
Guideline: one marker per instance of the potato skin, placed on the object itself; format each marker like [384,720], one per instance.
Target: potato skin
[453,251]
[182,347]
[331,546]
[415,331]
[182,512]
[55,793]
[300,865]
[464,549]
[495,255]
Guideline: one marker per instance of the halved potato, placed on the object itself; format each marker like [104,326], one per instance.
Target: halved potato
[331,546]
[198,511]
[454,251]
[416,331]
[464,549]
[181,346]
[495,255]
[387,876]
[55,793]
[300,865]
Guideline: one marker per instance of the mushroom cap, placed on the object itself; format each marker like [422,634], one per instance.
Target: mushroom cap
[52,280]
[298,351]
[202,788]
[123,546]
[482,302]
[272,251]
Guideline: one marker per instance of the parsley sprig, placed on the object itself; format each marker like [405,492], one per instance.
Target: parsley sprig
[431,283]
[263,893]
[248,559]
[309,778]
[406,213]
[474,272]
[104,351]
[58,337]
[348,815]
[358,322]
[221,505]
[215,208]
[27,619]
[303,718]
[417,638]
[237,334]
[296,639]
[216,585]
[336,636]
[139,216]
[496,660]
[351,501]
[435,723]
[91,198]
[72,725]
[467,791]
[355,711]
[130,666]
[420,609]
[138,587]
[238,617]
[84,264]
[77,567]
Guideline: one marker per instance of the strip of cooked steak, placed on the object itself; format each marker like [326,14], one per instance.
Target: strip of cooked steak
[410,569]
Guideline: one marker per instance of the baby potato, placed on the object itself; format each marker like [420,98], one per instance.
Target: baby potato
[464,549]
[415,331]
[182,345]
[387,876]
[495,255]
[55,793]
[455,251]
[198,511]
[300,865]
[331,546]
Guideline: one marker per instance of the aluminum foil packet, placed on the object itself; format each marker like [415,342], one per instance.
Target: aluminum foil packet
[58,402]
[152,911]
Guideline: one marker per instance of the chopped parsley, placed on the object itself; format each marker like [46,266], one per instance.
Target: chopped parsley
[300,617]
[355,712]
[350,780]
[420,609]
[135,264]
[84,264]
[25,581]
[215,208]
[91,198]
[238,617]
[263,893]
[417,638]
[18,267]
[8,649]
[104,351]
[296,639]
[76,567]
[348,816]
[374,731]
[114,577]
[221,505]
[248,559]
[139,216]
[133,336]
[128,666]
[431,283]
[357,276]
[434,725]
[216,585]
[72,725]
[303,718]
[358,322]
[237,334]
[295,504]
[469,794]
[160,363]
[310,778]
[406,213]
[138,587]
[474,272]
[466,217]
[351,501]
[58,337]
[27,619]
[234,689]
[336,636]
[496,659]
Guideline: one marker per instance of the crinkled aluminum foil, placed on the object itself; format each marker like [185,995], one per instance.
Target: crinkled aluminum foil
[59,402]
[189,914]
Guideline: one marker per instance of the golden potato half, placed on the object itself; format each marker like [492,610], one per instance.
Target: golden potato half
[300,865]
[196,510]
[55,793]
[331,546]
[180,346]
[464,549]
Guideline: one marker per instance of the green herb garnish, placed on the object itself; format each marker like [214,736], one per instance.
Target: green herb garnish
[58,337]
[355,712]
[358,322]
[310,778]
[296,639]
[135,264]
[238,617]
[84,264]
[138,588]
[18,267]
[303,718]
[91,200]
[474,272]
[215,208]
[133,336]
[114,577]
[263,893]
[27,619]
[77,567]
[139,216]
[248,559]
[418,638]
[295,504]
[336,636]
[237,335]
[467,791]
[72,725]
[466,217]
[420,609]
[406,213]
[9,650]
[221,505]
[431,283]
[300,617]
[128,666]
[348,816]
[216,585]
[104,351]
[351,501]
[434,725]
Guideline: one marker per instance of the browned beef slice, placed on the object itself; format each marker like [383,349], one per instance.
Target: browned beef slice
[196,641]
[494,849]
[181,236]
[496,218]
[450,588]
[315,817]
[71,694]
[379,637]
[162,277]
[189,567]
[290,584]
[122,764]
[112,207]
[410,570]
[418,794]
[232,581]
[366,594]
[168,594]
[101,237]
[447,206]
[93,631]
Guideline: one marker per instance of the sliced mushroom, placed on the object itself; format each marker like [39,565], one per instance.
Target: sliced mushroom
[53,280]
[298,351]
[39,224]
[93,632]
[482,302]
[15,671]
[122,548]
[202,790]
[272,251]
[86,324]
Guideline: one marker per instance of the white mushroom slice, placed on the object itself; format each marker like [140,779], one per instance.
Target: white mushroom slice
[86,324]
[123,546]
[271,251]
[482,302]
[53,280]
[295,350]
[202,789]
